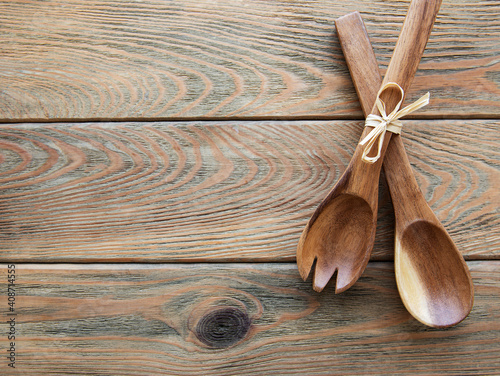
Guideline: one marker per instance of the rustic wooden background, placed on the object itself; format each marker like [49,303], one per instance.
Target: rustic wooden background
[159,160]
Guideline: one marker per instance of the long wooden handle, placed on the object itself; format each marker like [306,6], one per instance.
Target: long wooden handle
[410,47]
[360,59]
[366,77]
[405,59]
[402,68]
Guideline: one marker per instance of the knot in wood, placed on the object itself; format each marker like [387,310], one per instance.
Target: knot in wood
[223,327]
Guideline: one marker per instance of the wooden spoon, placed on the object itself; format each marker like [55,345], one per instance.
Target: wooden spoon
[432,276]
[340,234]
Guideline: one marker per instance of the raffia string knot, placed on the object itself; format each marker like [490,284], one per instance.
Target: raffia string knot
[384,122]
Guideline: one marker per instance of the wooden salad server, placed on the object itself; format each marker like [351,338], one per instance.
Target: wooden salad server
[340,234]
[432,277]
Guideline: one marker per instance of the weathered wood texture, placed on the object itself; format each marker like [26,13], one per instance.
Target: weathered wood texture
[227,191]
[230,191]
[227,319]
[117,59]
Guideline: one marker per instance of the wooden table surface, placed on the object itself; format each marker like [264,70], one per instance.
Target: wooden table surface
[159,160]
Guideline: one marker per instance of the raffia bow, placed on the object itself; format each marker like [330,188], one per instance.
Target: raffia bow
[384,122]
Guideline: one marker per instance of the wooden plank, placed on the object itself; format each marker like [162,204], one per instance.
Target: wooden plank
[230,191]
[235,319]
[153,59]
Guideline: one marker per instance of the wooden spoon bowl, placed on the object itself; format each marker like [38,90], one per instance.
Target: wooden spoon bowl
[433,282]
[333,235]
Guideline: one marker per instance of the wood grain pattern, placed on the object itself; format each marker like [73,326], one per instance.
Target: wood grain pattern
[76,59]
[231,191]
[146,319]
[225,190]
